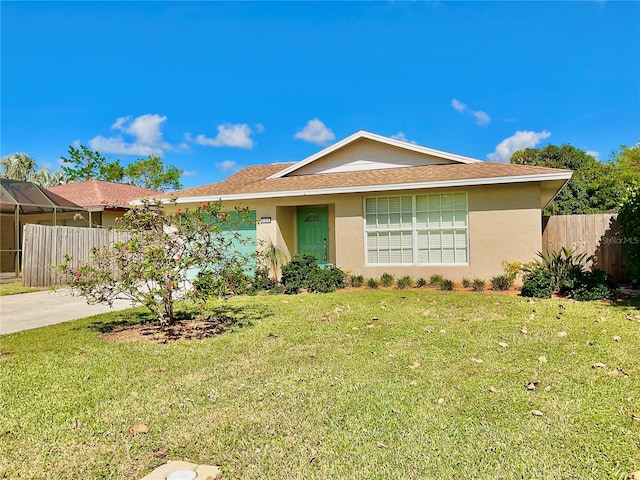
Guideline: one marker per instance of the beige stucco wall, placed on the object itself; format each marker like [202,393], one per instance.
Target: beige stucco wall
[108,218]
[505,223]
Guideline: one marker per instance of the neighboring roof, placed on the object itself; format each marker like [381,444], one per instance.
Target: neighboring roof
[378,138]
[259,182]
[30,198]
[98,193]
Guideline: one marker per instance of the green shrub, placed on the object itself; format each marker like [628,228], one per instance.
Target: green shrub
[404,282]
[262,282]
[538,283]
[511,270]
[303,271]
[478,285]
[325,280]
[386,280]
[356,281]
[501,282]
[372,283]
[231,281]
[562,265]
[466,283]
[446,284]
[629,218]
[296,273]
[435,280]
[585,286]
[421,283]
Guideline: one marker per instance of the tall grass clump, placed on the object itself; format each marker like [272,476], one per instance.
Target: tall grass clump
[356,281]
[446,285]
[404,282]
[386,280]
[478,285]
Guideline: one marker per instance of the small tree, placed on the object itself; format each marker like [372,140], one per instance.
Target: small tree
[150,266]
[86,164]
[152,173]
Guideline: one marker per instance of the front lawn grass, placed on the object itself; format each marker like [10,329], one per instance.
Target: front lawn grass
[349,385]
[13,288]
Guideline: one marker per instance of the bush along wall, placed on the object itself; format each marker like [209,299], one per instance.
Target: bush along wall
[303,271]
[565,272]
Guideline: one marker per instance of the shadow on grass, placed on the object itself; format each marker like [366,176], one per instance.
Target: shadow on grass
[237,316]
[214,319]
[121,320]
[633,302]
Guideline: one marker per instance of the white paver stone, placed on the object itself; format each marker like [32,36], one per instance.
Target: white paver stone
[182,475]
[162,471]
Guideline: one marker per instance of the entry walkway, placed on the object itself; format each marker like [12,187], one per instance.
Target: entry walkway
[38,309]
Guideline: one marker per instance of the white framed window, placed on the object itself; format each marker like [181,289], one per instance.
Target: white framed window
[427,229]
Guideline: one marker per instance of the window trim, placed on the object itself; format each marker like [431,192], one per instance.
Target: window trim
[414,232]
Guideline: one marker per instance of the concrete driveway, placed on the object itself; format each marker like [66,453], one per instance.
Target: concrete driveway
[38,309]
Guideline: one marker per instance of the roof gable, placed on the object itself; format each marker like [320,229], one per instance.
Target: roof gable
[368,151]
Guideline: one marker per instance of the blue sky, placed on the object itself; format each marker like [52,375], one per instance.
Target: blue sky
[212,87]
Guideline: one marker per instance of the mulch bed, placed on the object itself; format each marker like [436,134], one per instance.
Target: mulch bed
[182,330]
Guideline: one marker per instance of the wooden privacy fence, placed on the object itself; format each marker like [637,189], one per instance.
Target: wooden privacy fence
[597,234]
[44,248]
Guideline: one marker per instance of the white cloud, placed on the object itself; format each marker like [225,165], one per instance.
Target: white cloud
[145,130]
[229,135]
[315,132]
[402,137]
[482,118]
[189,173]
[259,127]
[517,141]
[593,153]
[458,106]
[120,122]
[228,166]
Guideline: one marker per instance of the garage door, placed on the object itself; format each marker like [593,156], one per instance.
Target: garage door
[244,227]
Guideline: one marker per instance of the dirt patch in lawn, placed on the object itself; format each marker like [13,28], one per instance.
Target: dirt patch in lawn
[182,330]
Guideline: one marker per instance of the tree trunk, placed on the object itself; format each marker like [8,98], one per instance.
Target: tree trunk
[166,314]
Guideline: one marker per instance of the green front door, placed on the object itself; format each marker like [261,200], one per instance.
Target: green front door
[313,232]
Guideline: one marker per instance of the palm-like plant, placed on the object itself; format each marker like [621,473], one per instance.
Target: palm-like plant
[562,264]
[272,255]
[17,166]
[45,178]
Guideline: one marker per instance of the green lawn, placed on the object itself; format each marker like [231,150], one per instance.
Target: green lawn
[313,388]
[13,288]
